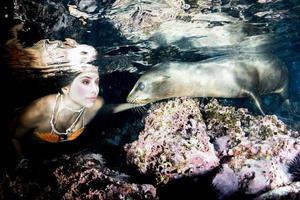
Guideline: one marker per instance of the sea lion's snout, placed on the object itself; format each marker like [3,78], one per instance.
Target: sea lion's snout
[136,98]
[132,99]
[129,98]
[137,94]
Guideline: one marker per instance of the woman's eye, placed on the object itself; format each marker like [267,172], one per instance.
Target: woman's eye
[85,82]
[141,86]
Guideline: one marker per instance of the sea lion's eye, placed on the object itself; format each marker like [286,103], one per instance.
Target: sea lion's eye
[141,86]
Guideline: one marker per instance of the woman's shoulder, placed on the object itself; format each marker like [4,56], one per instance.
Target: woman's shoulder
[40,106]
[45,102]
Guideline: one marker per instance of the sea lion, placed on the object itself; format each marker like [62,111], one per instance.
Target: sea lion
[228,77]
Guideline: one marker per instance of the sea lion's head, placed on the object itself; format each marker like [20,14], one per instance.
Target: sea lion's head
[152,86]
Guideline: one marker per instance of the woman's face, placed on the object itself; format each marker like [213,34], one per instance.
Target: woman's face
[85,88]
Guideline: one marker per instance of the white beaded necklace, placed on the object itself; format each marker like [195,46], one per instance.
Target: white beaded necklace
[53,121]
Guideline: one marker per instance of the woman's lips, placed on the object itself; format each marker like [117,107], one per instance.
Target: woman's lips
[92,98]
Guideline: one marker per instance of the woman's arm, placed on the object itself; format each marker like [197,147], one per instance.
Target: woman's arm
[116,108]
[25,122]
[108,109]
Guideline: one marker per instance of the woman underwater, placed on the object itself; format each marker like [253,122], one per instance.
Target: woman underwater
[61,117]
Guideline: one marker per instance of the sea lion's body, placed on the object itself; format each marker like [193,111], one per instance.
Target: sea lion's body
[227,77]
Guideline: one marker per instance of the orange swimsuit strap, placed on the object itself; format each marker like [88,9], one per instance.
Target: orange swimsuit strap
[54,138]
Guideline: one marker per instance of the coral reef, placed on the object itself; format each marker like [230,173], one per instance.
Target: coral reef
[82,175]
[183,146]
[27,181]
[86,177]
[290,192]
[174,142]
[255,154]
[261,147]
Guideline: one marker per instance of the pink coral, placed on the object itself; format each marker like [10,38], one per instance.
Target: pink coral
[174,142]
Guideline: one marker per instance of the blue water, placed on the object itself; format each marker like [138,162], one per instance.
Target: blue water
[284,25]
[279,21]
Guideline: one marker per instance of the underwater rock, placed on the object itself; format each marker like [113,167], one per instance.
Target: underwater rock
[84,176]
[174,143]
[225,123]
[226,182]
[255,154]
[28,180]
[290,192]
[262,150]
[261,165]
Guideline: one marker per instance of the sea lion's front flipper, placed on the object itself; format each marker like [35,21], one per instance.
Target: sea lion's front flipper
[256,100]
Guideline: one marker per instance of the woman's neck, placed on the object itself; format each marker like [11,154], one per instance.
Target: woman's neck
[69,104]
[61,119]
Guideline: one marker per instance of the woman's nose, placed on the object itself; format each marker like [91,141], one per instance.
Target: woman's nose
[95,89]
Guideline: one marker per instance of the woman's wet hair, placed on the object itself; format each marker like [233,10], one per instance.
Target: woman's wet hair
[65,78]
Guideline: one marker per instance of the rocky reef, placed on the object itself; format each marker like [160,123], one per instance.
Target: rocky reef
[82,175]
[174,142]
[184,149]
[85,176]
[253,154]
